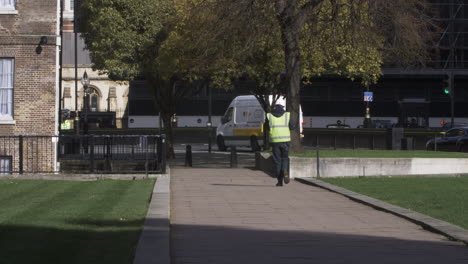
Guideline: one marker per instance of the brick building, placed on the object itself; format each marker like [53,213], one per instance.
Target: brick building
[29,77]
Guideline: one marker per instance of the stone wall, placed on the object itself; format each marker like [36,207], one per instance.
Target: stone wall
[363,167]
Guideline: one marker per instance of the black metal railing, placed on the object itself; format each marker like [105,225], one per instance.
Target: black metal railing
[112,153]
[366,138]
[21,154]
[83,154]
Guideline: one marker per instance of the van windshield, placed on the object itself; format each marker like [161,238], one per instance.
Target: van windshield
[228,116]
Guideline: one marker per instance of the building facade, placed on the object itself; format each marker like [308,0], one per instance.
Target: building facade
[28,67]
[29,77]
[106,100]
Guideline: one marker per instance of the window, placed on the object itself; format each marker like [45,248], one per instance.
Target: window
[228,116]
[454,133]
[6,88]
[72,4]
[94,102]
[91,100]
[7,4]
[5,165]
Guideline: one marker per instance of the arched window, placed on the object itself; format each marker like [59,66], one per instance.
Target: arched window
[94,102]
[91,99]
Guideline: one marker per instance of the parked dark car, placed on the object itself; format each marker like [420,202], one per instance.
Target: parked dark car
[455,139]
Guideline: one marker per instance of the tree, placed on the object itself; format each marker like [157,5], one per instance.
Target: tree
[130,39]
[307,38]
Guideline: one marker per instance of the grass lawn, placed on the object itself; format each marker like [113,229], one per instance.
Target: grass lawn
[442,198]
[364,153]
[70,221]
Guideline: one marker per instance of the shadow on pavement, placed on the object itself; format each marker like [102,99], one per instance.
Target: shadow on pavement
[222,244]
[214,160]
[242,185]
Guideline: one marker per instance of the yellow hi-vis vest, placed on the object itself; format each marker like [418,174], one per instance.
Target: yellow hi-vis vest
[279,128]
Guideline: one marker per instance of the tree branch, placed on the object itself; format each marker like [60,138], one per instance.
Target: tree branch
[305,10]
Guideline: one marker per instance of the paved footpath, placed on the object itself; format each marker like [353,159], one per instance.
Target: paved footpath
[238,216]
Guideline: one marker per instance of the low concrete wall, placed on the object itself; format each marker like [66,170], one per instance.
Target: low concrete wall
[359,167]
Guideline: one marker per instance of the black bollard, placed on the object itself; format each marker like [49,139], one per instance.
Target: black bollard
[188,156]
[233,157]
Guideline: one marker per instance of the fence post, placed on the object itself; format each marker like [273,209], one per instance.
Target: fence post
[133,151]
[188,156]
[20,154]
[163,154]
[233,157]
[158,153]
[108,152]
[318,162]
[146,155]
[91,154]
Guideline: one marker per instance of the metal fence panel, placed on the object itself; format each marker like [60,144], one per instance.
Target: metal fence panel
[83,154]
[112,153]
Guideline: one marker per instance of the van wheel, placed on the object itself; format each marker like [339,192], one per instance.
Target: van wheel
[220,143]
[254,143]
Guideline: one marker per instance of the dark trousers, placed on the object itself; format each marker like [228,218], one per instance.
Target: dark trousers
[280,159]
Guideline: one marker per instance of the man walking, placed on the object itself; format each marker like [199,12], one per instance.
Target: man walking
[280,137]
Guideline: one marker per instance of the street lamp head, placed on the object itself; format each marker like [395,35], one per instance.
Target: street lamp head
[85,80]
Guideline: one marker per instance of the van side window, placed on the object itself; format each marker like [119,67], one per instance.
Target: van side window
[228,116]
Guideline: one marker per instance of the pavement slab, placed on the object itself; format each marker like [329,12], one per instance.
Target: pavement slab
[239,216]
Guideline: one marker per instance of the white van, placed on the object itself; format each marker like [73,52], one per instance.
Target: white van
[242,123]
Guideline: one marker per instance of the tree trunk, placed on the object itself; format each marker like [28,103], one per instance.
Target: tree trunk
[166,104]
[290,30]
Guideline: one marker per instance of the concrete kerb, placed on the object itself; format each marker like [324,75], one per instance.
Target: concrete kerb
[451,231]
[154,243]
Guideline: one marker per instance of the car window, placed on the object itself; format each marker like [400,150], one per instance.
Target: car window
[453,133]
[450,133]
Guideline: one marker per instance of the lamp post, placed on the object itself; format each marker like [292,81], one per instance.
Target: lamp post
[209,124]
[85,82]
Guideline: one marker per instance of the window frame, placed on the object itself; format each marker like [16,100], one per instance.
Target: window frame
[9,161]
[10,119]
[10,10]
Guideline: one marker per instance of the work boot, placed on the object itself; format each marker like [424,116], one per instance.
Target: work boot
[286,177]
[279,184]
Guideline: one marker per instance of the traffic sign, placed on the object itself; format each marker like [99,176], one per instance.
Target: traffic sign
[368,96]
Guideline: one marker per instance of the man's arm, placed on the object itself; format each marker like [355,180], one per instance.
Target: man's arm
[292,124]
